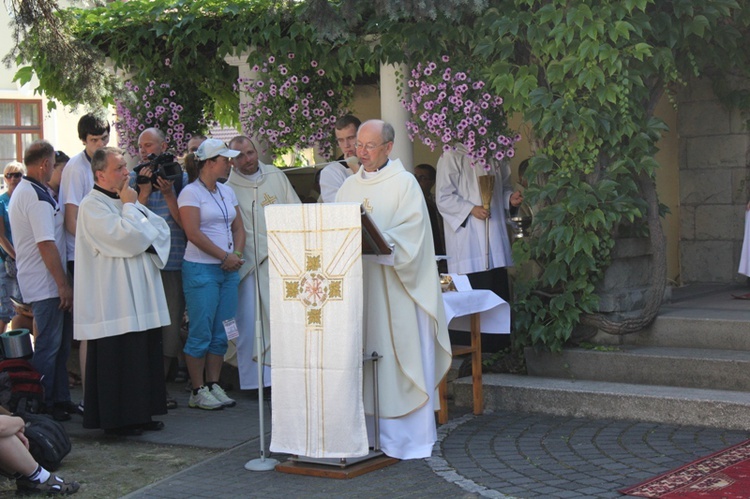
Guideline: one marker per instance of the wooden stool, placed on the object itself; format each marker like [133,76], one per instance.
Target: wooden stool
[475,349]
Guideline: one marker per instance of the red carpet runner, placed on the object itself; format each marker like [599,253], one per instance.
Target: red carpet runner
[725,474]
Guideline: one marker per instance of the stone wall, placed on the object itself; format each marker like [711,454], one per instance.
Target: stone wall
[713,160]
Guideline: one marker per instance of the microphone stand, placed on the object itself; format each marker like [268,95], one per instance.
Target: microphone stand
[262,463]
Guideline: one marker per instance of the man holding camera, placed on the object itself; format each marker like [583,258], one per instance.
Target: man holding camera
[159,194]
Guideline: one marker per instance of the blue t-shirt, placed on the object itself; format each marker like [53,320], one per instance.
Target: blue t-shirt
[4,200]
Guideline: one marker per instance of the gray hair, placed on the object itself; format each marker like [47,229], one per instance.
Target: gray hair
[99,159]
[388,133]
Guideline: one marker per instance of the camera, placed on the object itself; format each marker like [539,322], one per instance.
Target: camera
[162,166]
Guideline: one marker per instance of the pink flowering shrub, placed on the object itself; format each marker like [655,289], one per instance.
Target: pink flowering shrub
[293,109]
[448,107]
[153,105]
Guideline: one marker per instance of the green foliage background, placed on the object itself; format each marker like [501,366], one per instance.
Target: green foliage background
[585,76]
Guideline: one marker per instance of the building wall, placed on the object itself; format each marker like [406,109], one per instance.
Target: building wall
[59,125]
[713,162]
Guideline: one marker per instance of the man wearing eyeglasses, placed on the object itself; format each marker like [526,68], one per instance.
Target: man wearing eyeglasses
[404,316]
[36,219]
[334,174]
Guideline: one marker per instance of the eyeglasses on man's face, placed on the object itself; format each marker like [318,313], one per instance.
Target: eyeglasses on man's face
[369,147]
[13,175]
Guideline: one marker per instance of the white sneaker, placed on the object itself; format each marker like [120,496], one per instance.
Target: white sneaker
[220,395]
[204,400]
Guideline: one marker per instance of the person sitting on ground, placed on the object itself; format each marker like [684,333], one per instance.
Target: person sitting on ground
[17,461]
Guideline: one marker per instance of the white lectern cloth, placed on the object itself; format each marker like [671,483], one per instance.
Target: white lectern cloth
[316,330]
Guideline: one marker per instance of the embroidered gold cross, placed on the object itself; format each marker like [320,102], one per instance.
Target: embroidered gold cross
[367,206]
[314,288]
[267,199]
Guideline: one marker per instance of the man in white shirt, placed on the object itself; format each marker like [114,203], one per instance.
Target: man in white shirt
[36,220]
[77,181]
[333,175]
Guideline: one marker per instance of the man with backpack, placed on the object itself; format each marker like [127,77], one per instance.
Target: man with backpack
[160,196]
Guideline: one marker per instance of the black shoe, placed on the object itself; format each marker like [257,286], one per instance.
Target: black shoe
[70,407]
[153,426]
[59,413]
[124,431]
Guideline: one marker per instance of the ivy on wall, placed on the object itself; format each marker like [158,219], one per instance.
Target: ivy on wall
[584,75]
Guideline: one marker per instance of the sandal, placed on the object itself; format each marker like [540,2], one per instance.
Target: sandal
[171,403]
[54,485]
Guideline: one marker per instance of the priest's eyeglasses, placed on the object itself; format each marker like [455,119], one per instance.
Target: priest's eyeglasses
[369,147]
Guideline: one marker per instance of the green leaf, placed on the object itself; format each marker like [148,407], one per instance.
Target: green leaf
[23,75]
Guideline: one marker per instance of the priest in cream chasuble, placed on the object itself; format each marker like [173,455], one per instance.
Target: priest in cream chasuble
[404,318]
[256,186]
[316,330]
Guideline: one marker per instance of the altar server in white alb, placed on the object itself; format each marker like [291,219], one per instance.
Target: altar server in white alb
[404,318]
[119,301]
[253,181]
[459,200]
[335,173]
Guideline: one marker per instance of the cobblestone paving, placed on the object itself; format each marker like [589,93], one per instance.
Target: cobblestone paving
[500,455]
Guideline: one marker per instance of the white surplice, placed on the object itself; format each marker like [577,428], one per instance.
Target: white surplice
[456,193]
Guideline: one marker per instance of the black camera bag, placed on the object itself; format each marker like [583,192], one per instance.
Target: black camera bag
[49,443]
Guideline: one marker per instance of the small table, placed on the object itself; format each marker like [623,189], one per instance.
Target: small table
[486,313]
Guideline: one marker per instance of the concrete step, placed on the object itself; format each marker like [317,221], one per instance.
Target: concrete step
[727,330]
[667,366]
[599,399]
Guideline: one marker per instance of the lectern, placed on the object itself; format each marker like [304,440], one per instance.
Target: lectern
[316,305]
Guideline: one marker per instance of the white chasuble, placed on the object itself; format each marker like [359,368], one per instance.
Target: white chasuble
[316,330]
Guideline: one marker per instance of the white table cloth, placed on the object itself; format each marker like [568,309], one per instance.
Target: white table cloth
[494,311]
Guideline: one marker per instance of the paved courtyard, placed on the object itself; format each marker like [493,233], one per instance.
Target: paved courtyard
[500,454]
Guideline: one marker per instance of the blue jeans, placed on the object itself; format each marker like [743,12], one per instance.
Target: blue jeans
[8,288]
[51,348]
[211,298]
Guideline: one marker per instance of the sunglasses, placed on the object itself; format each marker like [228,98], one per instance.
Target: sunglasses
[13,175]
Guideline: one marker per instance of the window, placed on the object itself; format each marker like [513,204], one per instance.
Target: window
[20,125]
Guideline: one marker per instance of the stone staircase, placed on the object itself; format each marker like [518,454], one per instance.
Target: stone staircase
[691,366]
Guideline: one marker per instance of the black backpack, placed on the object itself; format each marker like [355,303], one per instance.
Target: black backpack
[26,389]
[48,441]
